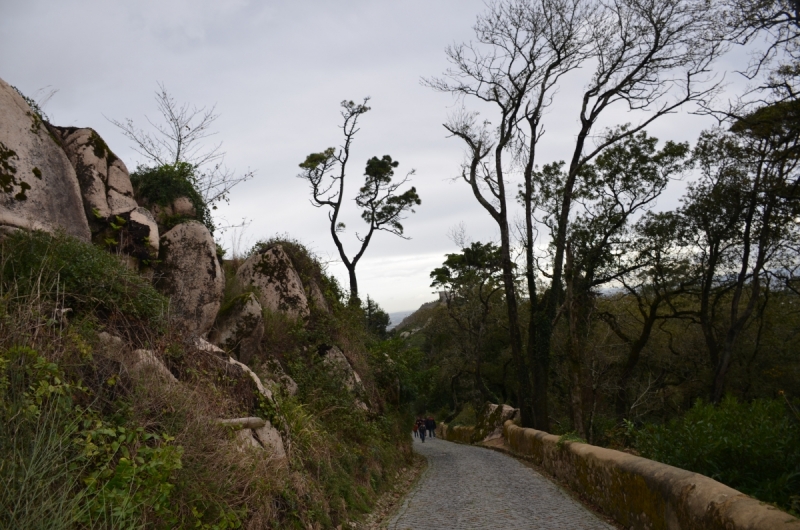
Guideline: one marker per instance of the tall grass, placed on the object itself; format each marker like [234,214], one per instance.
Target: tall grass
[80,277]
[39,485]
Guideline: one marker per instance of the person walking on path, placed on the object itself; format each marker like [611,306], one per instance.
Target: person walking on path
[415,428]
[430,424]
[422,430]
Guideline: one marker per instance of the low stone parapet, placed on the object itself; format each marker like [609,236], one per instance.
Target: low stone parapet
[643,494]
[459,433]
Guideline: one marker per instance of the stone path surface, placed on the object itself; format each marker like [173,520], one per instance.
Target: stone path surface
[471,488]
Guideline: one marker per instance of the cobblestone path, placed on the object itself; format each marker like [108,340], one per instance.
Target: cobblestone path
[471,488]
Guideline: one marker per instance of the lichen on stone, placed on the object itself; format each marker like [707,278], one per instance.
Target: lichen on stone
[276,271]
[8,174]
[101,149]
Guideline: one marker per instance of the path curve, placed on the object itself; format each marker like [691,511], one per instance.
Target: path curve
[471,488]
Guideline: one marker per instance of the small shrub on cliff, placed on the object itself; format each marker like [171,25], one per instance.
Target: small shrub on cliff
[34,105]
[753,447]
[163,184]
[78,276]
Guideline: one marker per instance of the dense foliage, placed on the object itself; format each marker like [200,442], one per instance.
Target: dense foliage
[619,314]
[628,315]
[63,465]
[163,184]
[753,447]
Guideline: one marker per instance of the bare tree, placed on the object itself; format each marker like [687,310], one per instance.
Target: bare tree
[179,137]
[382,204]
[651,56]
[523,48]
[778,22]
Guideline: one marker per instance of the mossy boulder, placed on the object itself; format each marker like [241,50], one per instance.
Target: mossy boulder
[270,432]
[337,364]
[104,180]
[239,327]
[491,420]
[190,274]
[320,291]
[115,219]
[275,282]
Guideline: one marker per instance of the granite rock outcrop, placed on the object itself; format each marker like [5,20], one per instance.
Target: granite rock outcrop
[190,274]
[39,189]
[277,285]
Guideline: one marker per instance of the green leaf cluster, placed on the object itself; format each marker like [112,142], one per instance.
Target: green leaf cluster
[125,470]
[476,264]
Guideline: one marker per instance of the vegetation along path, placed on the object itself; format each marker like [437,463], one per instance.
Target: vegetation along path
[468,487]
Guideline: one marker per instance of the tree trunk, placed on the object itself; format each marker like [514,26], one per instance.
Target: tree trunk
[575,344]
[454,395]
[539,353]
[523,379]
[354,300]
[634,354]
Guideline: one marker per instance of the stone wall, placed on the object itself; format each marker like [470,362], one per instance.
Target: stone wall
[640,493]
[459,433]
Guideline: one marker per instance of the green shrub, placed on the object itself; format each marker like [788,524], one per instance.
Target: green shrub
[82,445]
[753,447]
[39,485]
[352,452]
[467,416]
[81,276]
[399,371]
[126,471]
[163,184]
[63,466]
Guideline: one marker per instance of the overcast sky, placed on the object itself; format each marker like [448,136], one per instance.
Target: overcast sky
[276,71]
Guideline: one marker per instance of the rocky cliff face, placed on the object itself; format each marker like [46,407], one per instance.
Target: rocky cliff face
[240,327]
[226,400]
[103,178]
[67,179]
[114,217]
[39,188]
